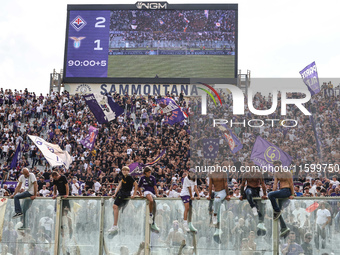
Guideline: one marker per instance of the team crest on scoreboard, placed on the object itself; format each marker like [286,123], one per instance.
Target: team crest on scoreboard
[83,89]
[76,41]
[78,23]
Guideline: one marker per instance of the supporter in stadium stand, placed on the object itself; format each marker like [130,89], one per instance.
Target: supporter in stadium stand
[28,182]
[122,192]
[220,182]
[286,191]
[254,180]
[148,183]
[291,247]
[187,195]
[60,184]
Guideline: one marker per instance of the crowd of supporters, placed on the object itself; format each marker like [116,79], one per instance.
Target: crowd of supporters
[182,26]
[140,134]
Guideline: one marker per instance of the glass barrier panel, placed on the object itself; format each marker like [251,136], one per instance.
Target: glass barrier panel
[33,233]
[131,227]
[80,226]
[314,226]
[236,222]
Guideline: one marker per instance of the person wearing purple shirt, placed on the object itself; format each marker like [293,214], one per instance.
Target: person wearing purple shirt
[148,183]
[291,247]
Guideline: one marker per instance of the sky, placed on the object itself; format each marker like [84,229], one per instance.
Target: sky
[277,39]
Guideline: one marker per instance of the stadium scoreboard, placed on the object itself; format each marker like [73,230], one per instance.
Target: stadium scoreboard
[150,42]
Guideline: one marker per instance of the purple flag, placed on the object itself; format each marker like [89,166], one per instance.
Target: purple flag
[90,139]
[103,107]
[16,157]
[310,77]
[234,143]
[172,110]
[265,153]
[136,168]
[210,148]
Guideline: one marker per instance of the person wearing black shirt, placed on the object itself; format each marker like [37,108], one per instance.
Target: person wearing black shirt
[41,182]
[123,191]
[60,183]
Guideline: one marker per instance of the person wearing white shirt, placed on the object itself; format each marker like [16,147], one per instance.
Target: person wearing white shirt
[323,218]
[44,192]
[96,186]
[187,195]
[75,187]
[30,186]
[172,193]
[334,182]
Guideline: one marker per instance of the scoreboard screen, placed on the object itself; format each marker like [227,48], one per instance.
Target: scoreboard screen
[150,42]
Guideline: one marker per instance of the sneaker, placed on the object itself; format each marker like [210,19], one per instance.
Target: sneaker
[214,219]
[218,232]
[17,215]
[154,227]
[113,230]
[276,215]
[185,227]
[192,228]
[261,226]
[284,232]
[254,210]
[151,219]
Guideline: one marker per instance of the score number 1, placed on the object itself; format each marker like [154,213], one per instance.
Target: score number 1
[99,24]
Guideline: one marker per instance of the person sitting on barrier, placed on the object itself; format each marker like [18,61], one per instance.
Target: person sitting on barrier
[254,180]
[285,179]
[30,190]
[148,182]
[220,182]
[187,195]
[122,192]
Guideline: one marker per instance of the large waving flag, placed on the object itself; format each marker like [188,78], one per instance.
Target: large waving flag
[210,148]
[90,139]
[265,153]
[103,107]
[310,77]
[234,143]
[136,168]
[172,110]
[54,155]
[16,157]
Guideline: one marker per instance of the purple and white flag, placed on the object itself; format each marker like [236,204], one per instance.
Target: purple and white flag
[310,77]
[172,110]
[103,107]
[90,139]
[234,143]
[210,148]
[136,168]
[54,155]
[265,153]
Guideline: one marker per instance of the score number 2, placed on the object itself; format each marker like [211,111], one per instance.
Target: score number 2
[99,24]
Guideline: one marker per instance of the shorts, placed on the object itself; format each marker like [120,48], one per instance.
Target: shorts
[149,192]
[186,199]
[120,198]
